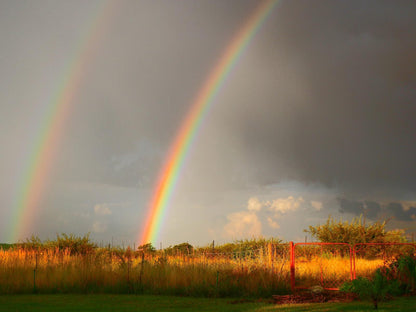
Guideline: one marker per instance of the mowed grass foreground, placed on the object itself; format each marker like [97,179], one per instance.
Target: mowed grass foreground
[143,303]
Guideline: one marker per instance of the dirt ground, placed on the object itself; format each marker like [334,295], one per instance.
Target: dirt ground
[310,297]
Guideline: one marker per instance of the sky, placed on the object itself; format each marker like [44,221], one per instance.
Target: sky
[317,117]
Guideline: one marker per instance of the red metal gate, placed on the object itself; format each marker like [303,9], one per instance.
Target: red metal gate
[326,264]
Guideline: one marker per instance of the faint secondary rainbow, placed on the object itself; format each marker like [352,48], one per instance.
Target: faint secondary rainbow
[56,111]
[175,159]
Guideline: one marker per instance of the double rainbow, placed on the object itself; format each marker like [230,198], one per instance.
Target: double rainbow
[169,174]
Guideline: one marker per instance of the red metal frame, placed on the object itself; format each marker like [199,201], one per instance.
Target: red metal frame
[293,256]
[292,266]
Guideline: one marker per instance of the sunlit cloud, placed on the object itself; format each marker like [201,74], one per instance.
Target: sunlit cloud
[242,224]
[284,205]
[249,222]
[317,205]
[254,204]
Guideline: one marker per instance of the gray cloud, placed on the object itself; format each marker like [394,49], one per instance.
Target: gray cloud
[347,117]
[370,209]
[397,211]
[324,94]
[401,211]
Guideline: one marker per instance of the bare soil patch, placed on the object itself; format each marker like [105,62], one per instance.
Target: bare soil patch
[309,297]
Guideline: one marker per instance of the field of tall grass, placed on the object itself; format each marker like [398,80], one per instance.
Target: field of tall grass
[250,269]
[116,271]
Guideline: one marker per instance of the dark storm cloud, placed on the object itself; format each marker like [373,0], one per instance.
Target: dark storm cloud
[370,209]
[349,120]
[397,211]
[374,210]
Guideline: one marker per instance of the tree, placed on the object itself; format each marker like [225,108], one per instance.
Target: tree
[354,232]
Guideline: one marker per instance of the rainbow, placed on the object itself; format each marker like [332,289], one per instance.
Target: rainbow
[45,146]
[169,174]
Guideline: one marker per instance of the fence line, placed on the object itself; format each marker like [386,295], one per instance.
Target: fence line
[327,264]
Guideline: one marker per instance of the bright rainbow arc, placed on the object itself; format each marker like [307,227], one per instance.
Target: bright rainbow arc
[175,159]
[45,146]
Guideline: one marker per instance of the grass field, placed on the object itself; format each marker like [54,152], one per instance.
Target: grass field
[104,303]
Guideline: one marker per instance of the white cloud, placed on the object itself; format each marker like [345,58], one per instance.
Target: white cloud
[243,224]
[283,205]
[102,209]
[254,204]
[99,227]
[317,205]
[249,222]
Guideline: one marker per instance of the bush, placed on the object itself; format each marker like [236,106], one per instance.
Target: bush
[77,245]
[375,289]
[32,243]
[404,271]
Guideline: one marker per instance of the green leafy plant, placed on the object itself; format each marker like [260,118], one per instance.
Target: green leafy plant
[376,289]
[403,269]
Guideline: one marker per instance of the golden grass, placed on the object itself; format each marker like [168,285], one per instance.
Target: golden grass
[260,273]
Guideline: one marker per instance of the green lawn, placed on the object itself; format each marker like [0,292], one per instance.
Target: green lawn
[60,303]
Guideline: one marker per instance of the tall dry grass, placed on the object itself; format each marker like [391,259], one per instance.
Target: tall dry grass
[117,271]
[253,273]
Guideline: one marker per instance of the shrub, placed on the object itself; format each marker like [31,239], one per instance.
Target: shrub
[375,289]
[77,245]
[404,271]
